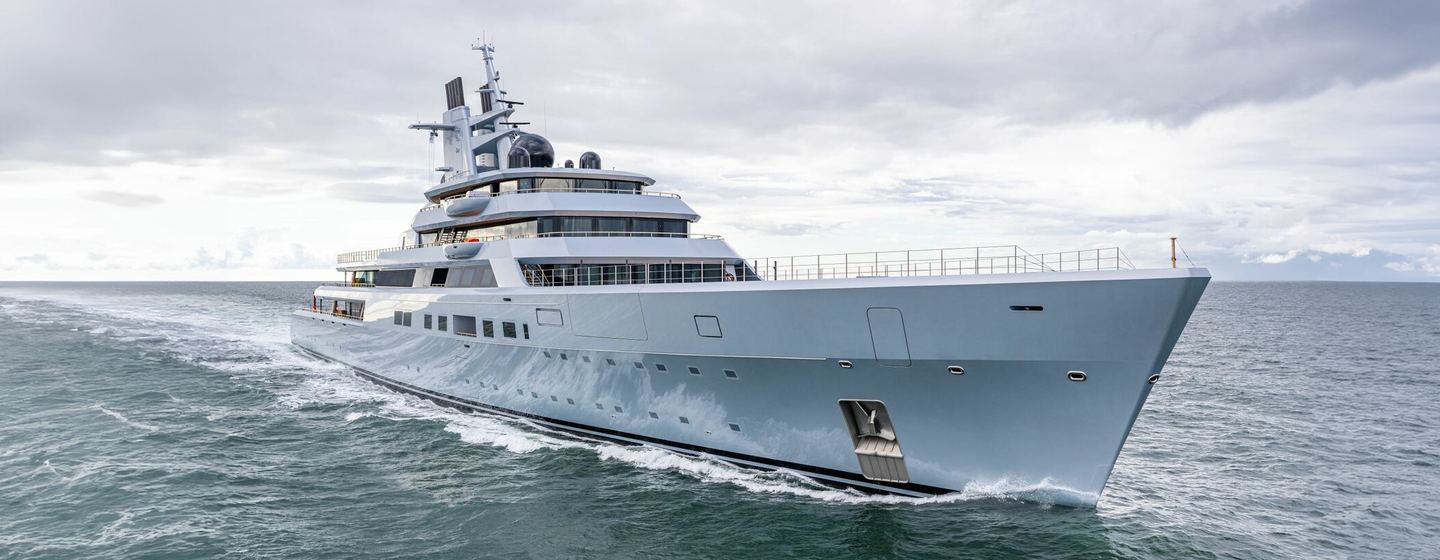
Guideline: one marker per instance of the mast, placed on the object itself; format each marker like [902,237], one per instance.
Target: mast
[492,96]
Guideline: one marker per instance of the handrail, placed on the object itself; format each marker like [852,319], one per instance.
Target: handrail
[994,259]
[341,314]
[621,234]
[372,254]
[484,194]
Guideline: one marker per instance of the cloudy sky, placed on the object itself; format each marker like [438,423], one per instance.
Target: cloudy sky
[254,140]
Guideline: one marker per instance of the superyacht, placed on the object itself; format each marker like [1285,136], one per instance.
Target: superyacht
[579,298]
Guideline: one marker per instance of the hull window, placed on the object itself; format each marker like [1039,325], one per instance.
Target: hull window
[441,322]
[508,329]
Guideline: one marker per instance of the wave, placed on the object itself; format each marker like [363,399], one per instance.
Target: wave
[127,421]
[258,345]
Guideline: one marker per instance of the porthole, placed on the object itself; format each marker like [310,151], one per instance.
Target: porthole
[618,409]
[520,392]
[534,395]
[730,373]
[585,359]
[609,362]
[1154,379]
[547,354]
[684,420]
[660,367]
[655,416]
[599,406]
[564,356]
[569,401]
[554,399]
[1076,376]
[694,370]
[955,370]
[734,427]
[639,365]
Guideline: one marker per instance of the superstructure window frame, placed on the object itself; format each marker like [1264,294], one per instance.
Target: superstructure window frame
[465,325]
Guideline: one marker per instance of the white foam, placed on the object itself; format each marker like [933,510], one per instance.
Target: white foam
[126,421]
[258,344]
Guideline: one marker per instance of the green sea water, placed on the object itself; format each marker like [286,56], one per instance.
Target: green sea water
[174,420]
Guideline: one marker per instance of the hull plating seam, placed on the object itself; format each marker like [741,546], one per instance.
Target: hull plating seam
[468,405]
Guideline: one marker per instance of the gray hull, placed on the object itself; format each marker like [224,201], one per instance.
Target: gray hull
[1013,419]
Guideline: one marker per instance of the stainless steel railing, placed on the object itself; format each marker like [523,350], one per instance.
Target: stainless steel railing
[997,259]
[482,194]
[372,254]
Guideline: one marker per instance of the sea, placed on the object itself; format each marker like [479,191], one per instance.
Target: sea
[175,420]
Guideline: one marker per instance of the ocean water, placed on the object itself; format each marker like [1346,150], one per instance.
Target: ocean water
[174,420]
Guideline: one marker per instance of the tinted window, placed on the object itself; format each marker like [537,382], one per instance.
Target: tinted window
[479,276]
[489,328]
[508,328]
[395,278]
[464,325]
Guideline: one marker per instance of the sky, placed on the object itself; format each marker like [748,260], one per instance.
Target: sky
[198,140]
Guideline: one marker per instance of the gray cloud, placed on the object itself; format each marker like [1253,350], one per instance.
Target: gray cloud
[221,77]
[799,119]
[378,192]
[125,199]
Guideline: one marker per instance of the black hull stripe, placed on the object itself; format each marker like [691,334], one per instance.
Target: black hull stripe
[467,405]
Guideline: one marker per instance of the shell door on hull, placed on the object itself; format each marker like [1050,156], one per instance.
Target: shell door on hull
[887,333]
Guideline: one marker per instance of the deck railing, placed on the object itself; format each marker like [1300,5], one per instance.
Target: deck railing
[998,259]
[372,254]
[487,194]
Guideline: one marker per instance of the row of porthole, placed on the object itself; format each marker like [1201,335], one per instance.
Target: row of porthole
[1073,375]
[729,373]
[618,409]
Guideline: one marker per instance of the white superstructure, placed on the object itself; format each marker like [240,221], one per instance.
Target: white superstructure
[580,298]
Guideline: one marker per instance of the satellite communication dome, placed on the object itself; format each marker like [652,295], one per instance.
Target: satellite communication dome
[542,154]
[519,157]
[589,160]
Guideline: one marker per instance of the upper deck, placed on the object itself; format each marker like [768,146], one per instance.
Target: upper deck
[465,183]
